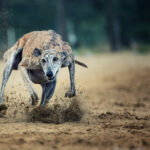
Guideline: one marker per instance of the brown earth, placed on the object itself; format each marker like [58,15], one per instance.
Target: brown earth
[111,110]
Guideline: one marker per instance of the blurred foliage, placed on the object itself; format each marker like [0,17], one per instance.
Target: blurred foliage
[84,23]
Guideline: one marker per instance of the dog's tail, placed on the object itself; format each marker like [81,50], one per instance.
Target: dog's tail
[81,64]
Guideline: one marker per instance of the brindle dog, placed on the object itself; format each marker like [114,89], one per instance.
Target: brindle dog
[39,55]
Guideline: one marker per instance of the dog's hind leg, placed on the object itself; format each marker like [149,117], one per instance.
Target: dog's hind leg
[7,71]
[47,91]
[33,94]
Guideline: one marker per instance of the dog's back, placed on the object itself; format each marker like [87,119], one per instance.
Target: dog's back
[18,45]
[41,40]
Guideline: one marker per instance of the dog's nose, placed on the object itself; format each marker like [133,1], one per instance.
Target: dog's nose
[50,74]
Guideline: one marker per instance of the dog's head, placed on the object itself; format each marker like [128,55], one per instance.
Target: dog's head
[51,61]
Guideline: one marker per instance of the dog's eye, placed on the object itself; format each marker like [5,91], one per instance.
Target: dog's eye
[43,61]
[55,59]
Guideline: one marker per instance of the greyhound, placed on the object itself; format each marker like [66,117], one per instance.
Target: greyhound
[39,55]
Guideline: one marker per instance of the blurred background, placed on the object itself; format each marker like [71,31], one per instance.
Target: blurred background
[88,25]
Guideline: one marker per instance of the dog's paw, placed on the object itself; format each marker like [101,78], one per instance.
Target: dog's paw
[70,94]
[34,99]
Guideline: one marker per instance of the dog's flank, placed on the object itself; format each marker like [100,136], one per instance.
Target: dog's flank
[39,55]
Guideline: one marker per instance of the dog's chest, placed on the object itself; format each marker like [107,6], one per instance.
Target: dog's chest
[37,76]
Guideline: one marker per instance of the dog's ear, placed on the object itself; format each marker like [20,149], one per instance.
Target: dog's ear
[64,55]
[36,52]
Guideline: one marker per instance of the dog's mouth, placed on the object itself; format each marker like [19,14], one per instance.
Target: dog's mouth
[51,78]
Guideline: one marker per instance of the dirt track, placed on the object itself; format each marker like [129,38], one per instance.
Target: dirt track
[113,95]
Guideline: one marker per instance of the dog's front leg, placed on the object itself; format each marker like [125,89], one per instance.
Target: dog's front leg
[33,94]
[47,92]
[72,91]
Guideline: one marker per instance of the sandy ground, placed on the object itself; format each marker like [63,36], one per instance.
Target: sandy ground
[111,110]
